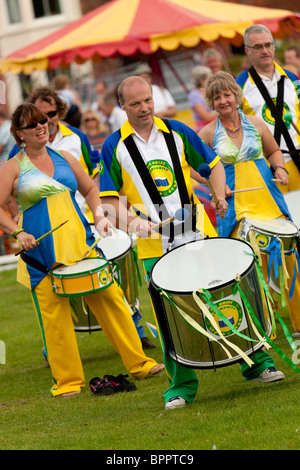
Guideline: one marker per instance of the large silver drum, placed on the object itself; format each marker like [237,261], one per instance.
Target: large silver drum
[216,265]
[292,200]
[265,233]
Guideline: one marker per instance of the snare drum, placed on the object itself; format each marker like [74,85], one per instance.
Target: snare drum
[292,200]
[212,264]
[85,277]
[266,232]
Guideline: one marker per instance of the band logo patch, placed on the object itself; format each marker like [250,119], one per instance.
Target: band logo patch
[267,115]
[233,311]
[163,176]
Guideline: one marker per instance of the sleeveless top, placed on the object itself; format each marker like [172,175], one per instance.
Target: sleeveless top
[45,203]
[247,168]
[251,147]
[34,185]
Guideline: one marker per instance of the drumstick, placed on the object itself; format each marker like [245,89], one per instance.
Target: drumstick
[246,189]
[92,247]
[43,236]
[276,180]
[161,224]
[288,118]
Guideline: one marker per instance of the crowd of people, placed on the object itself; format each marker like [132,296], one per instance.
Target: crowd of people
[66,163]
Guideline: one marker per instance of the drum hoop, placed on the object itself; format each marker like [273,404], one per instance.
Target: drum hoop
[274,234]
[125,253]
[80,273]
[211,289]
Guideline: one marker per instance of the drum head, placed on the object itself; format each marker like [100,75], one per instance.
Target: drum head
[81,267]
[292,200]
[116,246]
[277,226]
[206,264]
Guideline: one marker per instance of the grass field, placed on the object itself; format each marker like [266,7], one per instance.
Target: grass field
[228,414]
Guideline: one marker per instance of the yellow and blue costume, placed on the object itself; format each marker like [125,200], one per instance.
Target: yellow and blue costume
[245,168]
[46,202]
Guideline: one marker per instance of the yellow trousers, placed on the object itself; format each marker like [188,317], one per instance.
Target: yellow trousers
[57,328]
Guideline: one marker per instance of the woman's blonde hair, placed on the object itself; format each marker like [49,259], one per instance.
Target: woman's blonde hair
[220,82]
[89,112]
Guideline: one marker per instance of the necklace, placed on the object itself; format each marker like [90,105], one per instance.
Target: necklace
[231,129]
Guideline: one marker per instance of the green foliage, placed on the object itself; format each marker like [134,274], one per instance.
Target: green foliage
[228,414]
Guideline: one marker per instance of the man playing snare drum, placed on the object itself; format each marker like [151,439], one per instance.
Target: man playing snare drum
[144,145]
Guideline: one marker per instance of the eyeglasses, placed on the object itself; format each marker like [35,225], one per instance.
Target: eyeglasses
[33,125]
[51,114]
[260,47]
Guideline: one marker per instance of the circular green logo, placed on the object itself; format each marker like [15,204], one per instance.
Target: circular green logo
[267,115]
[232,311]
[163,176]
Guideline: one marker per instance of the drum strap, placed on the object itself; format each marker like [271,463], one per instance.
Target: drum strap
[34,263]
[150,184]
[277,111]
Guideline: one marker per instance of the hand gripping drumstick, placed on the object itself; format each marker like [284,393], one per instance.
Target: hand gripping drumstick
[43,236]
[288,119]
[204,170]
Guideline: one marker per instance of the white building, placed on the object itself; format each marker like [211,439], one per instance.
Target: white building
[23,22]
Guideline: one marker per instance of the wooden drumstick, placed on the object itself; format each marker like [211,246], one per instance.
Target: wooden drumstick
[162,223]
[246,189]
[43,236]
[92,247]
[288,118]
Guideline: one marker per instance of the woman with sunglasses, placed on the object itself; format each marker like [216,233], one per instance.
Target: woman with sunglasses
[94,128]
[44,182]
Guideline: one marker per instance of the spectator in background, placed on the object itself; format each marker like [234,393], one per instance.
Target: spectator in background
[61,84]
[6,139]
[94,128]
[116,117]
[213,59]
[201,113]
[292,58]
[164,103]
[100,89]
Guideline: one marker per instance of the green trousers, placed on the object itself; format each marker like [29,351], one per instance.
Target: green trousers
[183,381]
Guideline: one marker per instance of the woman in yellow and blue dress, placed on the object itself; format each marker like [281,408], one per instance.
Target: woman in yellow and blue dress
[247,150]
[44,183]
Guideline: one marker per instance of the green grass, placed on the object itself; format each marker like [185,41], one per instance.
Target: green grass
[228,414]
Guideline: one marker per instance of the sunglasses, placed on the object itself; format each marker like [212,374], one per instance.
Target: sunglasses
[51,114]
[90,119]
[33,125]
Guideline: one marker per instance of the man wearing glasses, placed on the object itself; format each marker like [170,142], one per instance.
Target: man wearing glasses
[266,82]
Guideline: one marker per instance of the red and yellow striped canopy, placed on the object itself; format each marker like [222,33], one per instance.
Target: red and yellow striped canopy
[127,27]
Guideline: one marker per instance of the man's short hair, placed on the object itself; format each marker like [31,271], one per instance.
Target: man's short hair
[256,28]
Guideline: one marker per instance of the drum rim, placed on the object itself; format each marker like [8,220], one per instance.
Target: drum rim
[225,284]
[124,253]
[266,232]
[93,270]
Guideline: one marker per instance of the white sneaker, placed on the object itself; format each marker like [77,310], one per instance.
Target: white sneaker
[269,375]
[175,402]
